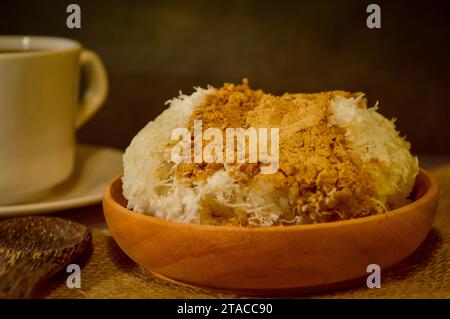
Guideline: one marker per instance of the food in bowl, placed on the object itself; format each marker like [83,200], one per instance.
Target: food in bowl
[324,157]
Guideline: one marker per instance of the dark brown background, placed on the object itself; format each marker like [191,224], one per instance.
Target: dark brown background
[153,49]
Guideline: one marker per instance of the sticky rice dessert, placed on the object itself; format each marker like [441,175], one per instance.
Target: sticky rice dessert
[338,159]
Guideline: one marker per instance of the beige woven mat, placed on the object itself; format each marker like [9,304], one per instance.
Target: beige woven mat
[109,273]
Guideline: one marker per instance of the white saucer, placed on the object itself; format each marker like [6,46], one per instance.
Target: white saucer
[95,166]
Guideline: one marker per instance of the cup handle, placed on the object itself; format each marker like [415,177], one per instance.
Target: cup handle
[97,87]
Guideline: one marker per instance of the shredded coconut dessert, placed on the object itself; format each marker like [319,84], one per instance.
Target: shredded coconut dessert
[338,159]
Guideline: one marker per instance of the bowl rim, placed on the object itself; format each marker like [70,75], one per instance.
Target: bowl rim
[431,192]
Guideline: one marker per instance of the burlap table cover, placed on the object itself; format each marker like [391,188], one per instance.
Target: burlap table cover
[108,273]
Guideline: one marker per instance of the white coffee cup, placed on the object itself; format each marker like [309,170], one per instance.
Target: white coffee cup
[40,109]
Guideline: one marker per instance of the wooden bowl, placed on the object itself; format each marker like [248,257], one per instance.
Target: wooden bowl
[272,259]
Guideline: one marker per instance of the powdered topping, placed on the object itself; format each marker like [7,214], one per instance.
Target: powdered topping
[318,177]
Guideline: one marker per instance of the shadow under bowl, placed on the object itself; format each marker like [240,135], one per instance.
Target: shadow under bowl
[276,259]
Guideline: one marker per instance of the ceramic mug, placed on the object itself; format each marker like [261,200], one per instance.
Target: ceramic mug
[40,109]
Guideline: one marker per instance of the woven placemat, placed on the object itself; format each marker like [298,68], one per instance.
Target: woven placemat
[108,273]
